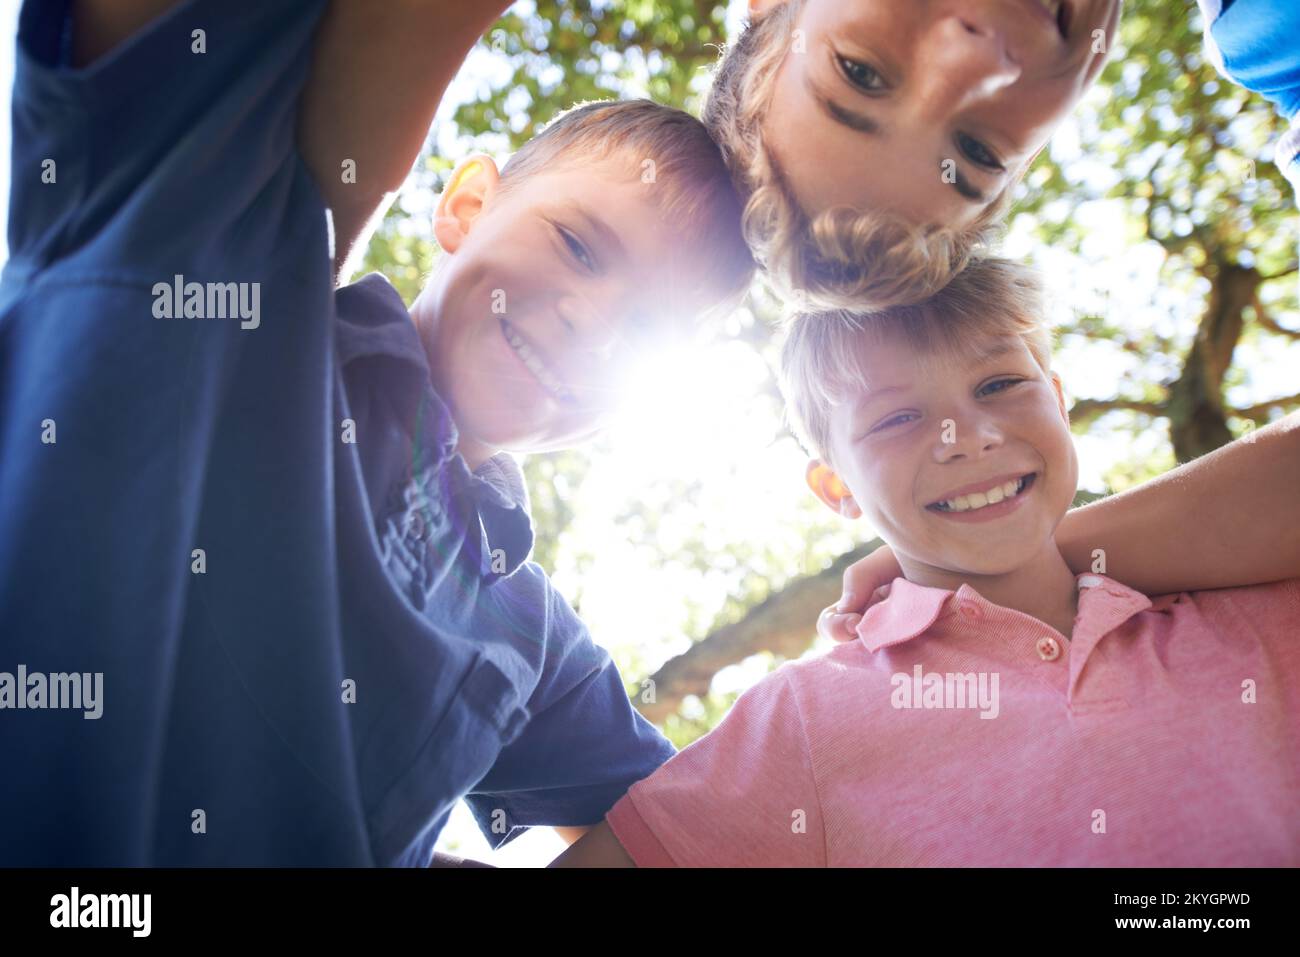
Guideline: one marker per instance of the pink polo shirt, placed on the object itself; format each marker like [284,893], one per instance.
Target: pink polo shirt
[962,733]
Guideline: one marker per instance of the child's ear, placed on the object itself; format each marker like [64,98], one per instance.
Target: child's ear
[828,487]
[1060,397]
[471,186]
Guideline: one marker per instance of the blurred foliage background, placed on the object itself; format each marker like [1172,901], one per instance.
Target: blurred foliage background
[1165,231]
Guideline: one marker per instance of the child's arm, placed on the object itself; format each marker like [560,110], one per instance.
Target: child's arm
[569,835]
[1228,519]
[379,71]
[598,848]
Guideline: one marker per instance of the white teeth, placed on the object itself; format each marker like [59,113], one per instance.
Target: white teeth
[536,366]
[974,500]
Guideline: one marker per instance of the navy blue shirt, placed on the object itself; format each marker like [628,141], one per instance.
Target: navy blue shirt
[317,629]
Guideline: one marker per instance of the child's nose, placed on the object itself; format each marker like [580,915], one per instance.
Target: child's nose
[961,62]
[966,438]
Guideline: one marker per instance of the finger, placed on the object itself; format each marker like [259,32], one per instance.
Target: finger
[841,628]
[824,622]
[830,624]
[848,591]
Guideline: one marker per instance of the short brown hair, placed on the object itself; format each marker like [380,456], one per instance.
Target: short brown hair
[694,187]
[990,297]
[842,258]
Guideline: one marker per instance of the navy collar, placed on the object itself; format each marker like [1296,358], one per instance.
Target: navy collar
[373,322]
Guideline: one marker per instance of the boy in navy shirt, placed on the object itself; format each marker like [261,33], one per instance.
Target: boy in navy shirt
[271,522]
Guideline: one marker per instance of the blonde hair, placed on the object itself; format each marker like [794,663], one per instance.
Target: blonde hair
[819,366]
[692,184]
[841,258]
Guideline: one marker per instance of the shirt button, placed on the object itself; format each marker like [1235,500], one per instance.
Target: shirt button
[1049,649]
[1089,581]
[971,611]
[416,527]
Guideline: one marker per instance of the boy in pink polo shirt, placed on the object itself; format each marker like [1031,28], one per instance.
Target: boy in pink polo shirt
[998,709]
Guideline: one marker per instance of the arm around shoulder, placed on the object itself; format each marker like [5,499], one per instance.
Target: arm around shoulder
[1228,519]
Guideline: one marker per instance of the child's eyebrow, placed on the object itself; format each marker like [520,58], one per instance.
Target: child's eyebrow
[598,226]
[866,398]
[861,123]
[994,350]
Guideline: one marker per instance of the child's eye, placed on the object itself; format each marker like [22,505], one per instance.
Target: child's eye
[862,75]
[999,385]
[978,153]
[894,420]
[577,249]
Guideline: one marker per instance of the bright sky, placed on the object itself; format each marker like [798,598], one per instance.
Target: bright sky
[750,488]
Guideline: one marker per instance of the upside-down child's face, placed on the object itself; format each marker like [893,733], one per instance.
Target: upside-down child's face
[962,463]
[927,108]
[550,290]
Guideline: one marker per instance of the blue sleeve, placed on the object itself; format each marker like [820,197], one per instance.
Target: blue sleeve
[1256,44]
[584,745]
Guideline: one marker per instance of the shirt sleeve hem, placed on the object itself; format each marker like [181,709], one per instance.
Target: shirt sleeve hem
[635,835]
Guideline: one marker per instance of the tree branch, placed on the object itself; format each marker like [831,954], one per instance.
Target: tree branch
[784,624]
[1085,410]
[1290,270]
[1257,411]
[1271,324]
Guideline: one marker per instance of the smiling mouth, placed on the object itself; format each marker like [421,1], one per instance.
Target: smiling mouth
[973,501]
[535,364]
